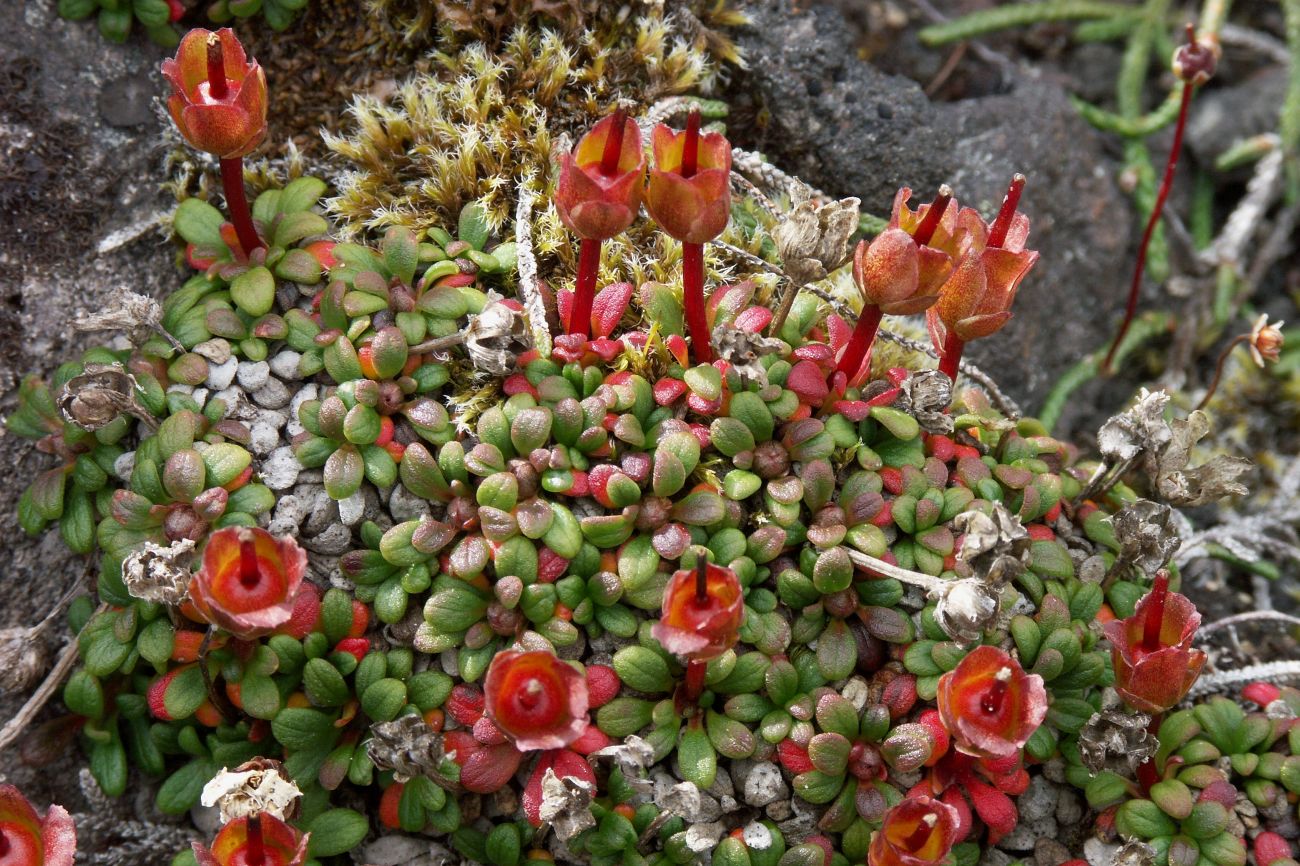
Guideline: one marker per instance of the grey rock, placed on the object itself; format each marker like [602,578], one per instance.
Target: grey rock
[200,396]
[221,375]
[404,505]
[302,395]
[237,406]
[123,466]
[216,350]
[285,364]
[765,785]
[324,512]
[280,469]
[253,374]
[263,437]
[333,541]
[273,395]
[352,509]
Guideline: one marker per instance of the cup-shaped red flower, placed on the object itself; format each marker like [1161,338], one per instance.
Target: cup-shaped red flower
[917,832]
[598,196]
[29,840]
[223,113]
[535,699]
[248,581]
[990,260]
[1151,651]
[990,705]
[701,618]
[219,104]
[599,190]
[259,840]
[689,193]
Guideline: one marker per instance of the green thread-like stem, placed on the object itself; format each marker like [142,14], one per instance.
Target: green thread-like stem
[1289,124]
[1131,127]
[1018,15]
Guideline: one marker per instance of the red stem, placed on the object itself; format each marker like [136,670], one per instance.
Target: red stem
[216,68]
[256,851]
[232,181]
[916,841]
[1001,225]
[1155,614]
[614,144]
[1218,368]
[950,358]
[1166,184]
[695,671]
[584,292]
[933,215]
[864,333]
[691,147]
[693,300]
[702,579]
[249,573]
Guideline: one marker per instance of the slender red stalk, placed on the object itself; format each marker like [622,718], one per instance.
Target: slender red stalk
[216,68]
[864,333]
[256,850]
[950,357]
[702,580]
[1155,617]
[933,215]
[695,671]
[916,841]
[232,181]
[693,300]
[1166,184]
[1002,224]
[691,147]
[614,144]
[584,291]
[1218,368]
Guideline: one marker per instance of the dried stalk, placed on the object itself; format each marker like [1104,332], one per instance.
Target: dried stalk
[1249,616]
[1265,671]
[532,297]
[53,680]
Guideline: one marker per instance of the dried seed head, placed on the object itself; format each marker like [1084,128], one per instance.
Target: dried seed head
[496,337]
[407,746]
[23,660]
[98,396]
[966,608]
[1195,61]
[159,574]
[252,788]
[1265,340]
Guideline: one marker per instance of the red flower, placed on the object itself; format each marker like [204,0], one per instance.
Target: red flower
[990,705]
[28,840]
[599,191]
[1152,652]
[536,699]
[701,618]
[989,263]
[898,276]
[249,580]
[689,197]
[227,119]
[262,839]
[918,831]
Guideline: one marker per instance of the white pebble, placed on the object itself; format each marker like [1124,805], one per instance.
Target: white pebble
[124,466]
[272,395]
[757,837]
[221,375]
[285,364]
[305,393]
[216,350]
[263,438]
[280,469]
[352,509]
[764,784]
[253,374]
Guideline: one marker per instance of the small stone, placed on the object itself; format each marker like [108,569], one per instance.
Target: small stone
[1099,853]
[780,810]
[352,509]
[216,350]
[285,364]
[237,406]
[1038,801]
[254,374]
[220,375]
[324,512]
[765,785]
[394,850]
[273,395]
[305,393]
[262,438]
[333,541]
[757,837]
[200,396]
[703,837]
[280,469]
[180,388]
[404,505]
[124,465]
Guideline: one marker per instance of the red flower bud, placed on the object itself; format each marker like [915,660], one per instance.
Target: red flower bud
[260,839]
[218,96]
[28,840]
[249,580]
[599,191]
[1270,847]
[701,618]
[536,699]
[898,276]
[1155,663]
[916,832]
[990,705]
[689,194]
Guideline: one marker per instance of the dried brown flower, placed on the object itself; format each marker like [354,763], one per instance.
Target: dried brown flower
[813,240]
[98,396]
[1186,486]
[23,659]
[1116,739]
[926,397]
[159,574]
[496,337]
[408,747]
[253,788]
[1147,536]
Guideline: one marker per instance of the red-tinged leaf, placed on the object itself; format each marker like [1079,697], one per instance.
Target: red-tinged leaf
[676,345]
[668,391]
[793,757]
[703,407]
[608,308]
[965,820]
[550,565]
[518,383]
[754,319]
[569,347]
[489,769]
[727,301]
[532,797]
[819,353]
[853,410]
[994,808]
[465,704]
[592,740]
[808,381]
[606,348]
[564,303]
[602,686]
